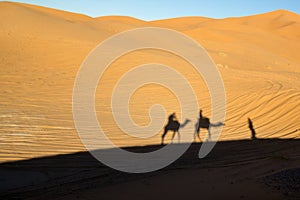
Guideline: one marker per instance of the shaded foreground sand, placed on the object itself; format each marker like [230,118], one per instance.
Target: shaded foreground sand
[234,169]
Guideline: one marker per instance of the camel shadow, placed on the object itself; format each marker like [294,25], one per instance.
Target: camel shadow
[204,123]
[173,126]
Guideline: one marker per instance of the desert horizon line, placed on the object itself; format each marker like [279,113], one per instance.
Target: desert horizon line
[158,19]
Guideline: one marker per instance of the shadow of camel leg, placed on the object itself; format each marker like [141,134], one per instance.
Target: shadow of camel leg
[178,136]
[198,134]
[173,136]
[163,137]
[195,134]
[208,135]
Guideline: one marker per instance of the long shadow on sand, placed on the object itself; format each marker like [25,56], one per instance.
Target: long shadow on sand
[59,175]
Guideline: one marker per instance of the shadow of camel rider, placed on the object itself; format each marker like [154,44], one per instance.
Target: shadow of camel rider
[172,119]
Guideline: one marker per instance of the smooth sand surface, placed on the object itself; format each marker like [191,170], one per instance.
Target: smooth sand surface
[42,50]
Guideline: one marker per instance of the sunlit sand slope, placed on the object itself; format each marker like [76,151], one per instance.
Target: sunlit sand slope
[42,50]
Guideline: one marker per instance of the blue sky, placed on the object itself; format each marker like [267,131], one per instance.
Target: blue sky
[160,9]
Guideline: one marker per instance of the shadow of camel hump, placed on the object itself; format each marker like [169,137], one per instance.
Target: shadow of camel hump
[173,126]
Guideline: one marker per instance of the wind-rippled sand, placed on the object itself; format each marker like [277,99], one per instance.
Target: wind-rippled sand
[42,50]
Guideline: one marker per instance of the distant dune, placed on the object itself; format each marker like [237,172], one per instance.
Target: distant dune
[42,50]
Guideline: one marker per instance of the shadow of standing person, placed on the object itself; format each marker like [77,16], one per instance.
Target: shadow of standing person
[253,133]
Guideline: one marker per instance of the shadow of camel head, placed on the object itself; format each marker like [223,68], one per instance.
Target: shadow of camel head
[217,124]
[184,123]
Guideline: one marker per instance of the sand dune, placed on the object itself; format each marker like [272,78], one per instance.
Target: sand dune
[182,23]
[42,49]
